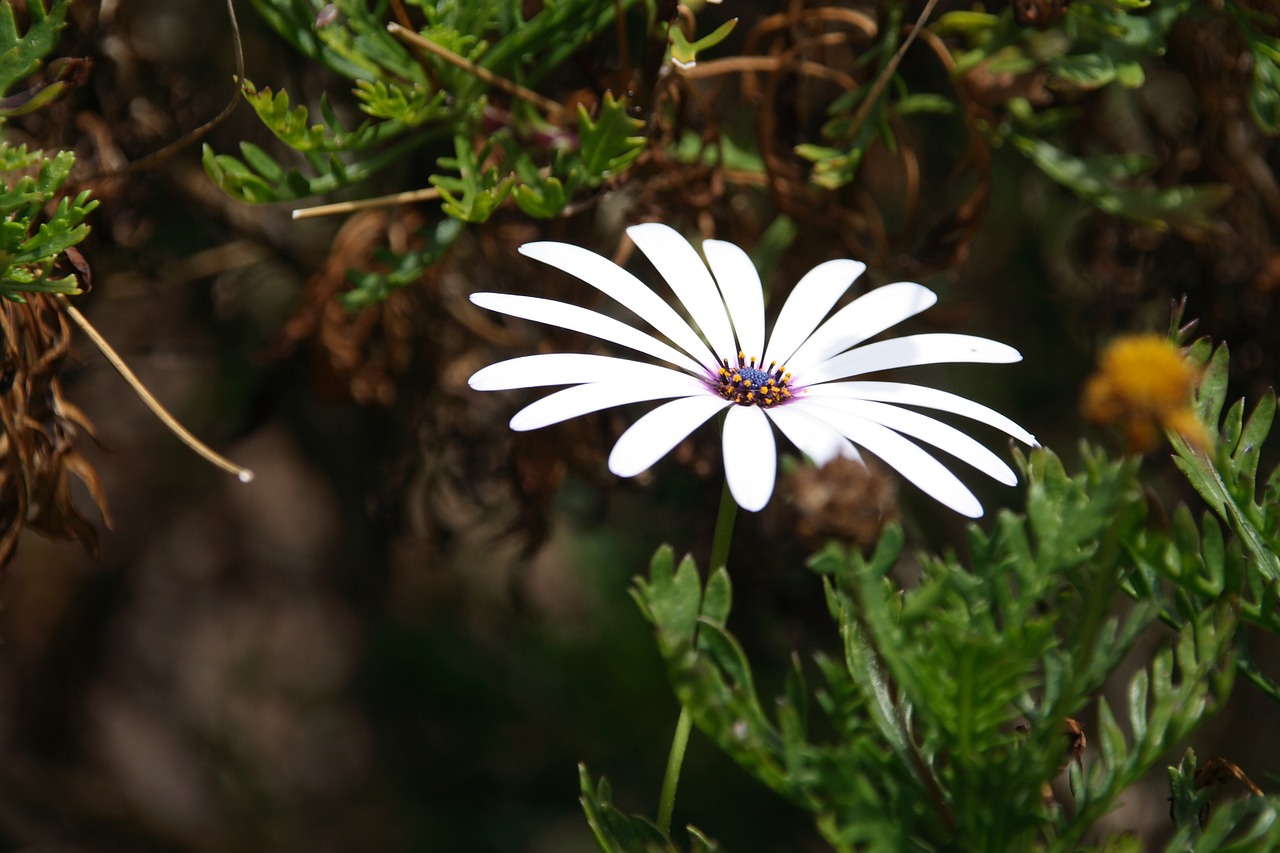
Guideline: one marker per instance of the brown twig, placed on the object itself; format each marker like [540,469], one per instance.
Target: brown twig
[748,64]
[886,74]
[148,160]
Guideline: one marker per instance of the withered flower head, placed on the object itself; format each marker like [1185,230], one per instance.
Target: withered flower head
[39,431]
[1144,384]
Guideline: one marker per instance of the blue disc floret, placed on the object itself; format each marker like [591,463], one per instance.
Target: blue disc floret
[748,385]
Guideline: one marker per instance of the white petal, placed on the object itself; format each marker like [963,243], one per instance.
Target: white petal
[654,435]
[594,396]
[567,368]
[578,319]
[927,473]
[682,267]
[940,435]
[869,314]
[908,352]
[618,284]
[750,457]
[814,437]
[808,304]
[930,398]
[740,285]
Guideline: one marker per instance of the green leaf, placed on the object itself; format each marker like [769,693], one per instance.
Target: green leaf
[686,52]
[1239,826]
[20,55]
[370,287]
[670,599]
[1105,181]
[542,200]
[1226,478]
[475,192]
[610,143]
[718,598]
[407,105]
[1083,71]
[614,831]
[291,124]
[31,241]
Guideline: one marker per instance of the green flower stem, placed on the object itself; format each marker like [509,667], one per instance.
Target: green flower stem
[680,740]
[724,530]
[667,800]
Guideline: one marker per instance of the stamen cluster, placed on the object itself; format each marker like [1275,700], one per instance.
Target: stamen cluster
[748,385]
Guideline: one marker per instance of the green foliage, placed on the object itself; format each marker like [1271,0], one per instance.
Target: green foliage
[415,100]
[1207,568]
[370,288]
[258,177]
[1244,825]
[616,832]
[1264,95]
[407,106]
[945,713]
[1095,45]
[32,237]
[686,52]
[291,125]
[30,243]
[423,97]
[20,55]
[477,189]
[1110,183]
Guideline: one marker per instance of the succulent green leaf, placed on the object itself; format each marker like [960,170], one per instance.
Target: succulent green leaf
[686,52]
[609,143]
[21,54]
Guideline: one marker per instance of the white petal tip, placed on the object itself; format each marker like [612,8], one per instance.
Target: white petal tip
[622,468]
[643,227]
[479,381]
[533,250]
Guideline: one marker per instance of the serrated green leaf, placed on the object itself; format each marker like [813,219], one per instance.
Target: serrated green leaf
[614,831]
[543,200]
[610,143]
[1083,71]
[685,52]
[291,124]
[1247,450]
[370,287]
[718,598]
[1103,181]
[729,656]
[408,105]
[671,597]
[32,239]
[20,55]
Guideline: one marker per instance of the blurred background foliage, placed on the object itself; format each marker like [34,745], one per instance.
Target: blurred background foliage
[411,628]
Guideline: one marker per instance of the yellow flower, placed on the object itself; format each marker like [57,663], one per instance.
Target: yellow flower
[1144,384]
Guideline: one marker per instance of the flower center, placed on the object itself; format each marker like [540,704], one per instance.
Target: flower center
[748,385]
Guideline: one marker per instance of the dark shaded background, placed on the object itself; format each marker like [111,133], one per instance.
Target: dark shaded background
[410,628]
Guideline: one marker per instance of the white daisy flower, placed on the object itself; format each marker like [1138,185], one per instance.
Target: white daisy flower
[798,382]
